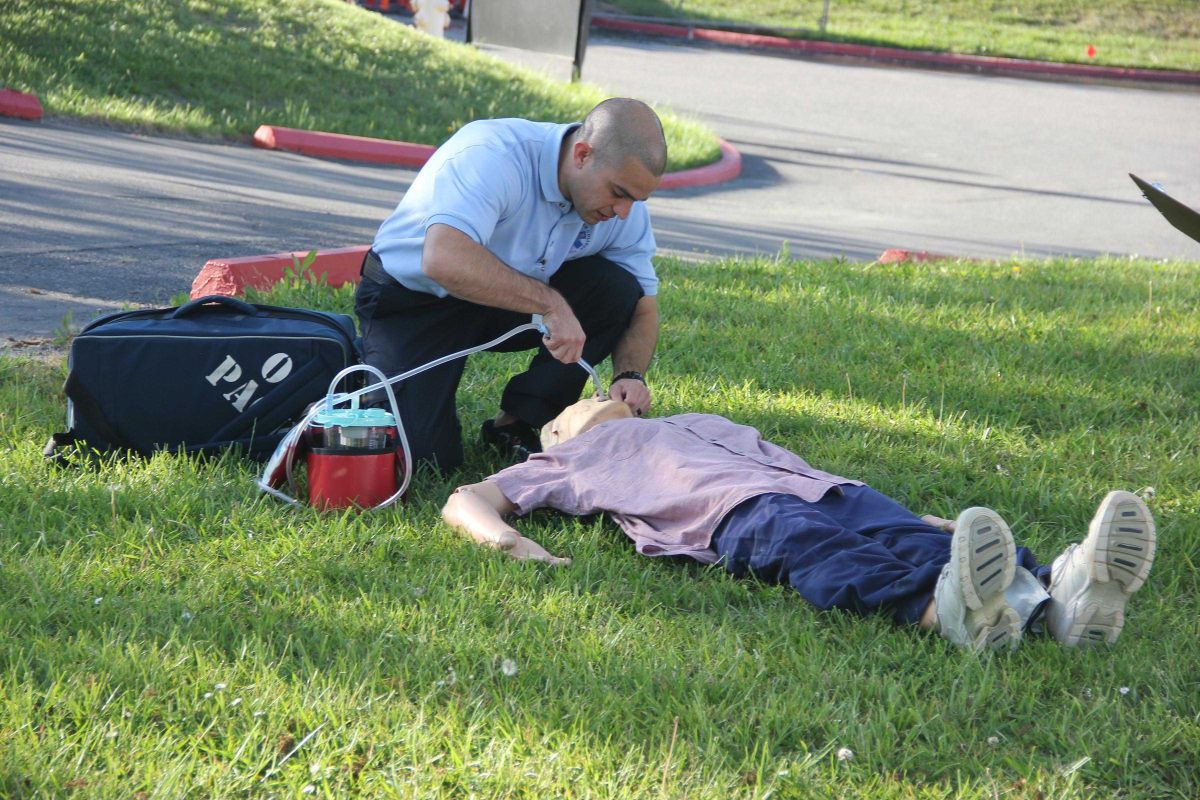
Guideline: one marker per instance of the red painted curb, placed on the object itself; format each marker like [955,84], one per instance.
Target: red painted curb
[726,169]
[231,276]
[340,145]
[384,151]
[898,256]
[19,104]
[919,57]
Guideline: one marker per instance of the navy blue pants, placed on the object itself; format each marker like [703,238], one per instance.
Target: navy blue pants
[858,550]
[402,329]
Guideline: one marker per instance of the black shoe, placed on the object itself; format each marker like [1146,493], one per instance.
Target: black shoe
[515,440]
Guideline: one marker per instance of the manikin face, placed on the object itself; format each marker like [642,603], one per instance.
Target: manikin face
[580,417]
[600,192]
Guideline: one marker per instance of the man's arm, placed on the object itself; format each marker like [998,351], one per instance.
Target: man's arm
[633,353]
[469,271]
[478,510]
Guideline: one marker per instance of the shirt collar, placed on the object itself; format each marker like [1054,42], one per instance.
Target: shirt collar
[548,167]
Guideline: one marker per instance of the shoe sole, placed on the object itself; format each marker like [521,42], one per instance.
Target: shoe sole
[986,560]
[1124,542]
[506,444]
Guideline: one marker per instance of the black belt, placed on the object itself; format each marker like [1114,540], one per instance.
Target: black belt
[372,268]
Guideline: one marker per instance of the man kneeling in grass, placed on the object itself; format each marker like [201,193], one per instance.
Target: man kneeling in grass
[702,486]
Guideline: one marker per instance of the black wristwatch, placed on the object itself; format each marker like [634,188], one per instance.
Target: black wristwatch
[631,375]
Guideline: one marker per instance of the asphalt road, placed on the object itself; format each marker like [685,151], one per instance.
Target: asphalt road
[839,159]
[847,159]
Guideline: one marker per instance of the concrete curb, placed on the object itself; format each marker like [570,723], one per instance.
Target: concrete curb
[231,276]
[384,151]
[19,105]
[728,167]
[898,256]
[895,54]
[340,145]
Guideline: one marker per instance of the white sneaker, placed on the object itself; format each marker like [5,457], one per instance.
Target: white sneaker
[969,598]
[1091,581]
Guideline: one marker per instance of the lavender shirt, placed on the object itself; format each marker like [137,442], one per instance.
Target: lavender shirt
[668,482]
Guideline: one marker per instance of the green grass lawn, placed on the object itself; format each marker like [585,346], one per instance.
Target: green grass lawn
[166,632]
[1157,34]
[224,67]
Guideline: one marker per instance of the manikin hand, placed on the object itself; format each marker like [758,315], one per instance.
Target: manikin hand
[524,549]
[945,524]
[632,393]
[478,510]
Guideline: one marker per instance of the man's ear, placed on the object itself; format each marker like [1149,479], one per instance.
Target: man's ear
[580,153]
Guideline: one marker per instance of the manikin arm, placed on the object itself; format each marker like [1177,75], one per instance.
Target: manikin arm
[478,510]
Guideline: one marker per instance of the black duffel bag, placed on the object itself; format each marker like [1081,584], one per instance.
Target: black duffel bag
[212,374]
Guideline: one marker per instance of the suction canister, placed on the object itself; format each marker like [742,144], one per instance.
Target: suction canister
[352,458]
[360,457]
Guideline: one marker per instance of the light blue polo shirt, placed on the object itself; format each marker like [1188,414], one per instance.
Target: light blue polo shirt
[497,181]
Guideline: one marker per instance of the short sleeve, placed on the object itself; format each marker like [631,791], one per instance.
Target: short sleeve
[547,480]
[474,190]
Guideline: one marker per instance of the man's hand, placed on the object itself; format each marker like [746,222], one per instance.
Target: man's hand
[469,271]
[632,393]
[633,353]
[565,337]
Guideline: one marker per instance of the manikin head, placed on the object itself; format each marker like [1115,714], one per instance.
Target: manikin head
[614,159]
[580,417]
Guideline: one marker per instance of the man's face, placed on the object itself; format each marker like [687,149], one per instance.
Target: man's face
[580,417]
[600,191]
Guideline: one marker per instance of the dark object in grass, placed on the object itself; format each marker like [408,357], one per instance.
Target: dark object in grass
[1183,218]
[516,441]
[202,377]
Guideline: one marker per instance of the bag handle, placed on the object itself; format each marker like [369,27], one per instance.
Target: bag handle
[195,306]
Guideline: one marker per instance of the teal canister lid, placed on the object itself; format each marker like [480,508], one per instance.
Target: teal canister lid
[355,418]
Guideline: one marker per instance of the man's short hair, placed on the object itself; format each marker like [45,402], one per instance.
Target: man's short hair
[621,128]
